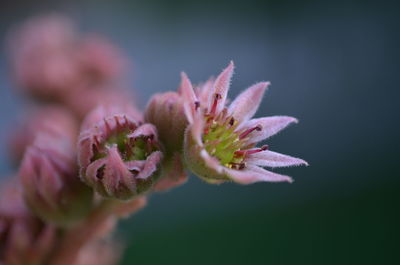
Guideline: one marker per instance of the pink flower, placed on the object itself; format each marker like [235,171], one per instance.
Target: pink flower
[50,178]
[99,60]
[119,156]
[220,142]
[43,56]
[50,59]
[25,240]
[50,119]
[166,112]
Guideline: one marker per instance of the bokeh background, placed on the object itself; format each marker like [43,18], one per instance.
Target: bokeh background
[332,64]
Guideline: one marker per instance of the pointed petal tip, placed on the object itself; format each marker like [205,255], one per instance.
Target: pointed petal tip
[229,69]
[184,75]
[265,84]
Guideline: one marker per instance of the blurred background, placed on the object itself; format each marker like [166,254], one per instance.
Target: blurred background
[332,64]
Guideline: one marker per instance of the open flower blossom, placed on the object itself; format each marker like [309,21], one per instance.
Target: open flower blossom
[119,155]
[220,142]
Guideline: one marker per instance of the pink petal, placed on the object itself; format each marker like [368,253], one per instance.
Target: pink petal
[221,87]
[246,104]
[197,128]
[252,174]
[136,165]
[189,97]
[273,159]
[270,126]
[146,129]
[116,173]
[150,166]
[90,176]
[202,90]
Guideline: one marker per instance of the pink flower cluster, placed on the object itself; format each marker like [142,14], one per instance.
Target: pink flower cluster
[86,156]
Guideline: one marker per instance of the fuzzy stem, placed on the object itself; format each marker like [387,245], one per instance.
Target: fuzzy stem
[76,237]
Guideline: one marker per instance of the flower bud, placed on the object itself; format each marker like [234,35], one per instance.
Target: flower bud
[51,119]
[119,156]
[165,111]
[25,240]
[42,56]
[99,60]
[50,178]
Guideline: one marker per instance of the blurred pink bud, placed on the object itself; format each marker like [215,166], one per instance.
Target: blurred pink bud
[42,53]
[52,120]
[99,60]
[50,178]
[82,101]
[220,142]
[49,60]
[25,240]
[119,156]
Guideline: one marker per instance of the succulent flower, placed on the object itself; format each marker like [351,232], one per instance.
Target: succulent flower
[166,112]
[99,60]
[50,177]
[119,155]
[53,120]
[220,142]
[50,60]
[25,240]
[42,56]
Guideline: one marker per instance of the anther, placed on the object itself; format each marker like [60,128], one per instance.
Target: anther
[232,121]
[196,105]
[264,147]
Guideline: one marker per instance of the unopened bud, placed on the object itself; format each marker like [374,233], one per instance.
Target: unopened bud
[119,156]
[25,240]
[50,178]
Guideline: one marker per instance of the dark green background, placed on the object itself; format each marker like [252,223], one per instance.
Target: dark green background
[332,64]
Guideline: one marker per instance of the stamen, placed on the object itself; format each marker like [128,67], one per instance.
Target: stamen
[248,131]
[215,103]
[240,153]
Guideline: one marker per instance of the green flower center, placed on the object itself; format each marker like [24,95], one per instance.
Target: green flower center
[223,141]
[130,149]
